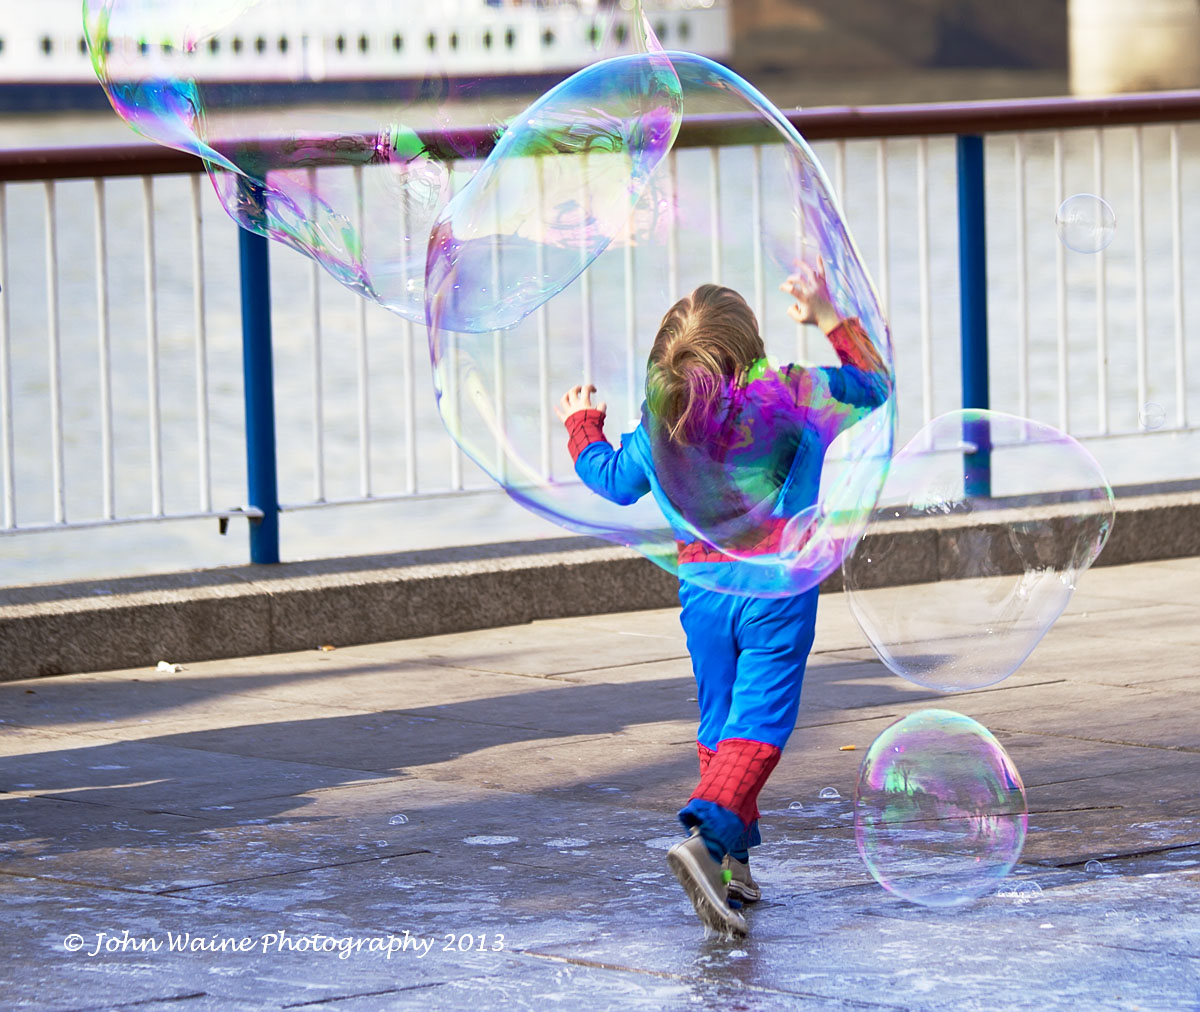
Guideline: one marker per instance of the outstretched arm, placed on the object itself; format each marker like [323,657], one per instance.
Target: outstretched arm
[864,380]
[613,474]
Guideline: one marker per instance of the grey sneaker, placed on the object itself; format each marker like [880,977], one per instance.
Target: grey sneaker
[704,881]
[742,886]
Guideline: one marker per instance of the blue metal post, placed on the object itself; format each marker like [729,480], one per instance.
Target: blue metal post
[972,274]
[259,381]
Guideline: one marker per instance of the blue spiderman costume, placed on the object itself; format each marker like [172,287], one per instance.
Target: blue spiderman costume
[761,466]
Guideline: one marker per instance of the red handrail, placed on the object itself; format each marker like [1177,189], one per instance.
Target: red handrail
[835,122]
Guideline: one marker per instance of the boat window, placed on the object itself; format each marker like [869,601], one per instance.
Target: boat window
[236,45]
[143,46]
[214,45]
[548,37]
[594,35]
[510,37]
[364,43]
[397,42]
[454,40]
[1,45]
[685,29]
[260,45]
[48,45]
[487,40]
[431,41]
[340,43]
[660,30]
[283,43]
[82,46]
[622,32]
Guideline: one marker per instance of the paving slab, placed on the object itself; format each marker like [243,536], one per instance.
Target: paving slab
[507,797]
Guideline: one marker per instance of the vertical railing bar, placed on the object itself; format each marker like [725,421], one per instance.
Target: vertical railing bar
[53,328]
[973,307]
[152,382]
[673,292]
[1102,412]
[585,280]
[409,366]
[1060,274]
[543,338]
[498,376]
[839,172]
[1022,278]
[258,377]
[204,463]
[104,348]
[7,469]
[318,365]
[1181,387]
[632,400]
[453,392]
[881,203]
[714,213]
[1139,256]
[364,374]
[924,278]
[760,285]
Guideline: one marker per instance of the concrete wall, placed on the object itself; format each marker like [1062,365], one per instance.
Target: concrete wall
[252,610]
[1134,45]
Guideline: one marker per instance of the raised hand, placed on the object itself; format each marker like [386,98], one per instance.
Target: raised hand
[578,398]
[810,289]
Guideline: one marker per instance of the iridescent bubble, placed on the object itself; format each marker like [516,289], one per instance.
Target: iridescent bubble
[750,490]
[1009,513]
[939,809]
[355,186]
[796,806]
[829,793]
[1085,223]
[1152,416]
[397,820]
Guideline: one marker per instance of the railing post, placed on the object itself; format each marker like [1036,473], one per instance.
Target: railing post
[972,275]
[259,393]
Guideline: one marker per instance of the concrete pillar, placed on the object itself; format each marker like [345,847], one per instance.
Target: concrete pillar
[1134,45]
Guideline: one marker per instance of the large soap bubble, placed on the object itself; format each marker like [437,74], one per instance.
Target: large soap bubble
[1012,512]
[356,186]
[939,809]
[759,512]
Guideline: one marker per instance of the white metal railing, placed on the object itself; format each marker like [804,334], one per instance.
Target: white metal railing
[71,456]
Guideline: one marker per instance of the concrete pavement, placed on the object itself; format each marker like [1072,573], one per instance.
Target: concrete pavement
[495,807]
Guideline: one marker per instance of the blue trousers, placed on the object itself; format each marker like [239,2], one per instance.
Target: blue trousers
[748,657]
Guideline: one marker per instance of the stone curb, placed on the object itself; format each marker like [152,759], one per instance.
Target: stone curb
[254,610]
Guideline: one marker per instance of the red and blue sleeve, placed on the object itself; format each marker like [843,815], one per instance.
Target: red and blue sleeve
[614,474]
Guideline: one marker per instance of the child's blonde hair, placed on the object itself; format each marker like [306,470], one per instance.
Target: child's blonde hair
[705,341]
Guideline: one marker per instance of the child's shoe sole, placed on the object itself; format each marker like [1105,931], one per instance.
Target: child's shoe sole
[702,880]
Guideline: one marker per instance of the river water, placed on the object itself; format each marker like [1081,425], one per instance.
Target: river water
[395,349]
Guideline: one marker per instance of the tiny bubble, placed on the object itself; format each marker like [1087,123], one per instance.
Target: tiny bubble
[829,793]
[397,820]
[1094,867]
[795,806]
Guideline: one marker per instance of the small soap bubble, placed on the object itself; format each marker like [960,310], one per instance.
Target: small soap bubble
[829,793]
[795,806]
[397,820]
[1085,223]
[940,811]
[1093,868]
[1021,892]
[1152,416]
